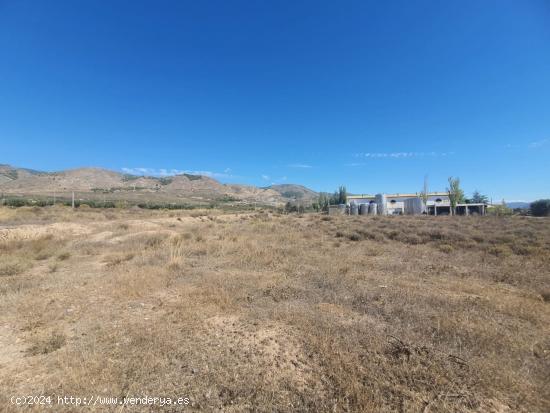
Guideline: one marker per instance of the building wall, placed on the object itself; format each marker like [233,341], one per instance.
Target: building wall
[444,200]
[395,206]
[362,200]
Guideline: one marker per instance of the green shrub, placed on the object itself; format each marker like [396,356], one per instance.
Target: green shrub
[15,202]
[541,208]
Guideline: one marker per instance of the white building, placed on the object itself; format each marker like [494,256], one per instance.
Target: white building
[438,203]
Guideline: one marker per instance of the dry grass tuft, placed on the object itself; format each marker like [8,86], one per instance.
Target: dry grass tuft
[48,344]
[113,260]
[64,256]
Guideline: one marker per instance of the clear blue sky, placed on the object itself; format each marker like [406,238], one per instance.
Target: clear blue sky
[370,94]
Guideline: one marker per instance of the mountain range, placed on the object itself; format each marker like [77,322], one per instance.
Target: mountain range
[518,205]
[98,183]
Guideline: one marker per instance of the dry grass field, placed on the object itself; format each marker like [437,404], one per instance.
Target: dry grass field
[265,312]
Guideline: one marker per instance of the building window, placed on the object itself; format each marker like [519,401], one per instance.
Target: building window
[393,201]
[438,200]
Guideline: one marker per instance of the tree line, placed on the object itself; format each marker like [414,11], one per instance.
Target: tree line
[340,196]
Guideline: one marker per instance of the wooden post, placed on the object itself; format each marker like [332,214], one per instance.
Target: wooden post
[73,201]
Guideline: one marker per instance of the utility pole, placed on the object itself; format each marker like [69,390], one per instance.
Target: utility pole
[54,196]
[73,201]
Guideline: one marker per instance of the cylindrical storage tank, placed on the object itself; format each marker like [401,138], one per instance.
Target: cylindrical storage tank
[363,209]
[342,208]
[381,202]
[414,206]
[373,207]
[353,209]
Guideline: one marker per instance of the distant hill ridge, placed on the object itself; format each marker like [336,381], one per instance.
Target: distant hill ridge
[94,182]
[518,204]
[293,191]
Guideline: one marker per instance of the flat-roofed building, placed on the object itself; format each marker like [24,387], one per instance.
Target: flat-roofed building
[438,203]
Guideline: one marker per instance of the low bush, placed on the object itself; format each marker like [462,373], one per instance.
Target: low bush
[541,208]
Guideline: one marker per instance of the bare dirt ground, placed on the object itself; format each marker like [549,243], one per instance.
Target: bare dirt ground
[266,312]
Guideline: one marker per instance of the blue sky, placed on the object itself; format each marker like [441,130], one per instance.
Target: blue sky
[371,94]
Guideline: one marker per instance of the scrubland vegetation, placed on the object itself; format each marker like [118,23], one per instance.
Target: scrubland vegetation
[259,311]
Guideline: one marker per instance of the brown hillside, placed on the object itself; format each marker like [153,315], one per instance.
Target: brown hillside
[94,182]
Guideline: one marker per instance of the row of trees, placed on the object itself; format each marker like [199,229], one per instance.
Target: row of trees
[340,196]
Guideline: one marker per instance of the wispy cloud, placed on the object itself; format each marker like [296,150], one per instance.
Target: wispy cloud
[530,145]
[299,165]
[538,144]
[398,155]
[265,177]
[211,174]
[152,171]
[171,172]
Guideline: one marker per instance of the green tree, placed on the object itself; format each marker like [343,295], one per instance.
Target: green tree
[456,194]
[323,201]
[335,198]
[342,195]
[540,208]
[478,198]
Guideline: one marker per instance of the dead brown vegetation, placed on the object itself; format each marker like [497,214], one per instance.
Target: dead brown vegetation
[268,312]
